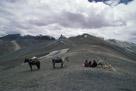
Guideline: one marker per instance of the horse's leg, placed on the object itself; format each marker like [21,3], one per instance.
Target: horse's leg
[53,63]
[38,65]
[61,64]
[30,66]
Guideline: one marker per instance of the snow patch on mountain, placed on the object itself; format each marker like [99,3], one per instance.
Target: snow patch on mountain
[54,53]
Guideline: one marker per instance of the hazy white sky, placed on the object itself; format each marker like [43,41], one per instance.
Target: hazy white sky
[68,17]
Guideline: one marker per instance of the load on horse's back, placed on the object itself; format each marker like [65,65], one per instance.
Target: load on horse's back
[58,59]
[33,61]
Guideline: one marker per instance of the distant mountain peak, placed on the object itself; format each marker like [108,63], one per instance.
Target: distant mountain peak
[62,37]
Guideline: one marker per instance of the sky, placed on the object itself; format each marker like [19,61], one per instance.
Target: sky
[69,17]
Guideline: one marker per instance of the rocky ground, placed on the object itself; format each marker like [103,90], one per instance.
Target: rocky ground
[73,76]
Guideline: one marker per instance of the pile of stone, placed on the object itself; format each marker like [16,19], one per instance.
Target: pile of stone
[105,65]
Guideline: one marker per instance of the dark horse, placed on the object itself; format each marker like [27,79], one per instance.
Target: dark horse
[57,61]
[31,62]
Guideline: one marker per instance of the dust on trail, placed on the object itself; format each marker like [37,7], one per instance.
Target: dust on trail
[17,47]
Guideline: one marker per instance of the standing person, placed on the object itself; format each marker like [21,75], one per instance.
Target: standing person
[86,64]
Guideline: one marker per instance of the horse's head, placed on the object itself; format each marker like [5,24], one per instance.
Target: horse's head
[66,58]
[26,60]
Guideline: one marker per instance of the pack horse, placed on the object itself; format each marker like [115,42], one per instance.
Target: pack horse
[33,61]
[59,60]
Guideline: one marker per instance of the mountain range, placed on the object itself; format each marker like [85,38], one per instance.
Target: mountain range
[115,70]
[19,37]
[15,47]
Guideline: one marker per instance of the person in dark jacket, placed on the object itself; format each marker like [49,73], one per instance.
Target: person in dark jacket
[94,64]
[89,64]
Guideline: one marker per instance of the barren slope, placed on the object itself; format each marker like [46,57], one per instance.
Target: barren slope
[73,76]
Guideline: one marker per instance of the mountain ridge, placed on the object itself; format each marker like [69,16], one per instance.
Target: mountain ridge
[19,37]
[22,48]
